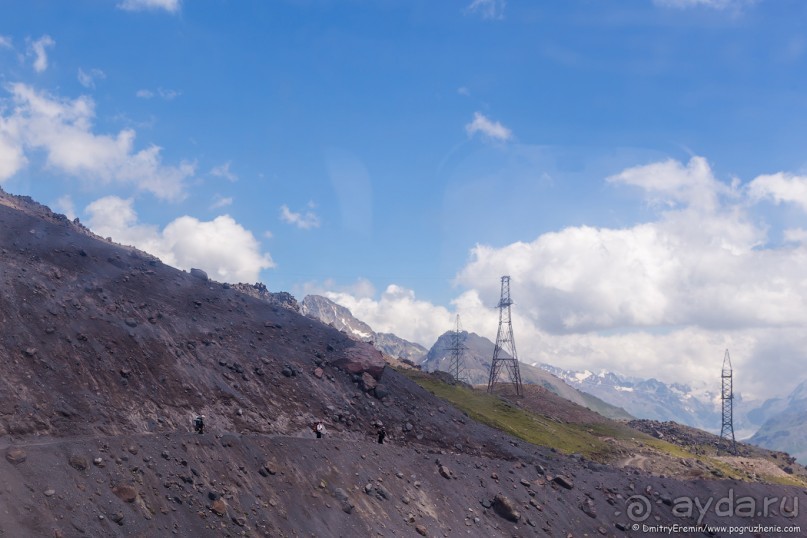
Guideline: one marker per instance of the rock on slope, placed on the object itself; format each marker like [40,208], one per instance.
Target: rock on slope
[106,354]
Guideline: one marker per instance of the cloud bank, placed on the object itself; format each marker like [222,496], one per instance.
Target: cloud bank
[662,298]
[223,248]
[63,130]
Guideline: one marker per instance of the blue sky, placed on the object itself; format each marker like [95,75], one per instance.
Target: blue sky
[636,166]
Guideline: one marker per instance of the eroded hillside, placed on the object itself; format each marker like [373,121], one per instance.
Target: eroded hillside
[106,354]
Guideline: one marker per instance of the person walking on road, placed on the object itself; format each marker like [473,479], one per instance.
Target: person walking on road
[199,424]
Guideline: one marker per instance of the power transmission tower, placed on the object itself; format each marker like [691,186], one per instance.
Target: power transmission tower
[727,396]
[505,344]
[457,365]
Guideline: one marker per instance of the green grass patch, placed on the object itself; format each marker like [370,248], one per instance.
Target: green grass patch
[500,414]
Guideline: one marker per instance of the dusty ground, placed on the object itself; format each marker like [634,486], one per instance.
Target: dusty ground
[106,354]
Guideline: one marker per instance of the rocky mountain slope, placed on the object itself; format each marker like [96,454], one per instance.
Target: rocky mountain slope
[106,354]
[476,359]
[786,426]
[339,317]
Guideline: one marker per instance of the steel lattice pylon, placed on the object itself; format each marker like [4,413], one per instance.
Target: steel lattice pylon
[457,366]
[727,396]
[505,344]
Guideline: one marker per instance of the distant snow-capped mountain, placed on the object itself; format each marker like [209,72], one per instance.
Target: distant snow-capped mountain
[785,427]
[651,398]
[339,317]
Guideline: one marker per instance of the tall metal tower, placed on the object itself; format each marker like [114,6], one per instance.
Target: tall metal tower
[727,395]
[505,344]
[457,366]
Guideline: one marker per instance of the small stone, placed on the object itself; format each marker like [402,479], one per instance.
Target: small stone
[368,382]
[50,492]
[125,492]
[588,508]
[16,455]
[421,530]
[218,507]
[503,506]
[563,481]
[78,462]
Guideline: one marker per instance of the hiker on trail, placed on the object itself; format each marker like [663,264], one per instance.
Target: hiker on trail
[382,433]
[199,424]
[319,429]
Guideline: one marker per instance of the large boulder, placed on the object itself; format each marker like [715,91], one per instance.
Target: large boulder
[198,273]
[361,358]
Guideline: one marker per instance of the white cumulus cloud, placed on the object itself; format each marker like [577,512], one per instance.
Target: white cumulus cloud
[487,9]
[66,206]
[490,129]
[223,171]
[780,188]
[88,78]
[223,248]
[38,49]
[12,155]
[397,311]
[221,201]
[714,4]
[63,130]
[171,6]
[162,93]
[673,184]
[303,220]
[662,298]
